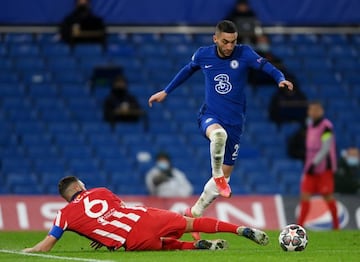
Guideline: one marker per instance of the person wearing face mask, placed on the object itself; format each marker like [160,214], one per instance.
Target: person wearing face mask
[347,177]
[320,163]
[120,105]
[164,180]
[82,25]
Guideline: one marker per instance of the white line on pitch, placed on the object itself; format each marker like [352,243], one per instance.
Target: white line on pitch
[52,256]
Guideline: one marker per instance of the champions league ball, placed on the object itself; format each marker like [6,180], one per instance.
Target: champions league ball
[293,238]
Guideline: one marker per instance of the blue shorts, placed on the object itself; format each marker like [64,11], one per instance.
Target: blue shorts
[234,133]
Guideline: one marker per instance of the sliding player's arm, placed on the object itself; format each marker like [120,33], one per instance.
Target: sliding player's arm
[184,74]
[43,246]
[260,63]
[53,236]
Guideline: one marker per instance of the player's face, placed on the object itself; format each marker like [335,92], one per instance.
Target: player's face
[225,43]
[315,111]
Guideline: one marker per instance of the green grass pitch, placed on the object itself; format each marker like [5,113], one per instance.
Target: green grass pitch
[323,246]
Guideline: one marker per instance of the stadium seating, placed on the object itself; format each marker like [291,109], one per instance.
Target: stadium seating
[52,123]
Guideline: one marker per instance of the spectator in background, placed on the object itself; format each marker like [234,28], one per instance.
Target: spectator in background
[120,105]
[82,25]
[164,180]
[288,106]
[245,20]
[347,177]
[320,164]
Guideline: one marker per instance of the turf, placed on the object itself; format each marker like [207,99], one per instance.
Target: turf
[323,246]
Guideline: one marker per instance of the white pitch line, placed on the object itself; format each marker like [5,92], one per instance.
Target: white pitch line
[52,256]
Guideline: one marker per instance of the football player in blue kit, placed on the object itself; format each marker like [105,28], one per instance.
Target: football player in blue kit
[221,117]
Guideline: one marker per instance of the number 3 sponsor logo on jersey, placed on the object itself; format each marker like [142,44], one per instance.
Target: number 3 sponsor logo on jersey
[223,85]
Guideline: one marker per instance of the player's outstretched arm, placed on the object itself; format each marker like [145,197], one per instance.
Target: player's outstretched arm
[286,84]
[43,246]
[157,97]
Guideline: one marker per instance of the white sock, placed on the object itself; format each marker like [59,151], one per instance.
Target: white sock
[217,150]
[209,194]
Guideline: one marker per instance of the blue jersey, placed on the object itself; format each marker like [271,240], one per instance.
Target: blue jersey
[225,79]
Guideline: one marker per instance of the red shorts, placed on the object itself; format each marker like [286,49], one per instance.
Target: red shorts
[318,184]
[154,225]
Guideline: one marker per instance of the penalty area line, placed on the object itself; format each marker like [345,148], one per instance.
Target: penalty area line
[51,256]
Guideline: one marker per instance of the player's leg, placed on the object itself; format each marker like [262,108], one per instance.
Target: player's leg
[306,190]
[211,225]
[327,191]
[218,136]
[175,244]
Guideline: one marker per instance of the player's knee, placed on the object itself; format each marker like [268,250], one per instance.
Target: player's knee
[218,135]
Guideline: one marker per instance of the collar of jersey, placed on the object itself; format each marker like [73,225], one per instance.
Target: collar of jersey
[75,195]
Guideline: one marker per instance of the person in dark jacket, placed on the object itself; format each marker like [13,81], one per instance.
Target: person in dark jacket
[82,25]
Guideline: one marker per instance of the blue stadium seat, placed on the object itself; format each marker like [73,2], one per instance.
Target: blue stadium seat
[29,64]
[84,50]
[120,50]
[36,77]
[56,50]
[21,50]
[18,38]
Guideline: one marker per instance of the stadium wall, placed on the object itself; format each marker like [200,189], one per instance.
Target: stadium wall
[266,212]
[164,12]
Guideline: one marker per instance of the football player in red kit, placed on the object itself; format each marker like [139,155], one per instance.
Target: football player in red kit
[104,218]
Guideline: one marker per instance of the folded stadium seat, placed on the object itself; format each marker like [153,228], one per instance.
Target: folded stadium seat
[190,128]
[117,38]
[6,64]
[323,80]
[182,50]
[29,127]
[342,51]
[41,151]
[19,115]
[62,63]
[257,129]
[49,165]
[36,76]
[310,50]
[82,50]
[334,39]
[94,179]
[18,38]
[123,128]
[345,64]
[289,178]
[43,90]
[76,151]
[317,64]
[120,50]
[57,50]
[157,64]
[284,51]
[303,38]
[54,128]
[23,50]
[69,77]
[8,76]
[117,165]
[29,64]
[288,129]
[203,39]
[175,39]
[332,92]
[49,182]
[83,165]
[95,128]
[68,139]
[276,39]
[102,151]
[286,165]
[145,38]
[35,139]
[13,164]
[11,91]
[28,189]
[48,39]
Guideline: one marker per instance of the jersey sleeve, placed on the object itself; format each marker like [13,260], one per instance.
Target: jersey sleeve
[184,74]
[59,226]
[255,61]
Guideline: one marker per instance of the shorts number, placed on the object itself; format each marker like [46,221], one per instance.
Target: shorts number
[236,152]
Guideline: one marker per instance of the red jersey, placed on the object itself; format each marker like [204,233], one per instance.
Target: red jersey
[99,215]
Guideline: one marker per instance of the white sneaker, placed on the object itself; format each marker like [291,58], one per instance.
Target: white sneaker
[253,234]
[218,244]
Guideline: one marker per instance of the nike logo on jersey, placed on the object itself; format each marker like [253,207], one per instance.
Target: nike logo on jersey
[208,66]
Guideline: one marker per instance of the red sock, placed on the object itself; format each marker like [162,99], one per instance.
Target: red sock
[333,211]
[211,225]
[304,210]
[174,244]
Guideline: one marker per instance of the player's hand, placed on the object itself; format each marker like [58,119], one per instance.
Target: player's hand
[286,84]
[158,97]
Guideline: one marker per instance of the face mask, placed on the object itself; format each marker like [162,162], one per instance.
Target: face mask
[352,160]
[163,165]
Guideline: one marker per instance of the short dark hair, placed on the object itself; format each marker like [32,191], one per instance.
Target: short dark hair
[163,155]
[315,103]
[226,26]
[65,182]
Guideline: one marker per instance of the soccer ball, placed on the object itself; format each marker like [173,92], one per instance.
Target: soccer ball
[293,238]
